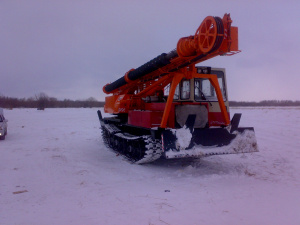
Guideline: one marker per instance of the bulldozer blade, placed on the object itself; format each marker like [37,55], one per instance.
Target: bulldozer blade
[206,142]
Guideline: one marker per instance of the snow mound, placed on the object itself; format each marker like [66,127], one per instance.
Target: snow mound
[183,136]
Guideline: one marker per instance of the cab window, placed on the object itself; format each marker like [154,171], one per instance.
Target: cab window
[185,89]
[176,95]
[204,91]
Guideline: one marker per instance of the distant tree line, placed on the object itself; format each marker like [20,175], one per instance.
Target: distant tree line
[266,103]
[42,101]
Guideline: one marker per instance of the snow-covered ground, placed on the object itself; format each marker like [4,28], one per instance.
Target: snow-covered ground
[54,169]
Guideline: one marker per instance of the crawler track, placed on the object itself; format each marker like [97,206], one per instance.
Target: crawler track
[138,149]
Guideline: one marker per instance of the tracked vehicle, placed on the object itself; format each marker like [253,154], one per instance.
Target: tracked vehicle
[171,108]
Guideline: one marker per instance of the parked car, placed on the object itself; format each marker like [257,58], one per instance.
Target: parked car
[3,125]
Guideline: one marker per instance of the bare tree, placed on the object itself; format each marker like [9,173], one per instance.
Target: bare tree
[42,101]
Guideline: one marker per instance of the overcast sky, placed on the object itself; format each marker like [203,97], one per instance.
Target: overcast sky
[70,49]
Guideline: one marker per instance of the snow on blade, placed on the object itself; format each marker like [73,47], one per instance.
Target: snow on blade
[183,136]
[243,143]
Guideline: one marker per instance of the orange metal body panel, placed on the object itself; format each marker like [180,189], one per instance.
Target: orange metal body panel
[155,106]
[152,115]
[234,39]
[161,107]
[216,119]
[147,119]
[117,104]
[109,106]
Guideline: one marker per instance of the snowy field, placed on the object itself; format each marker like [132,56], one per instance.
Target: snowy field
[54,169]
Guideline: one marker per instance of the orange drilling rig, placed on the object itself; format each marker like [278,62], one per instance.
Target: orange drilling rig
[171,108]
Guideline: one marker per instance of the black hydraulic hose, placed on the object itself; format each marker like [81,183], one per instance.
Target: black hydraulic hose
[154,64]
[116,84]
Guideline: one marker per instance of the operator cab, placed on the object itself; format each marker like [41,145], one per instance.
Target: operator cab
[197,96]
[200,89]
